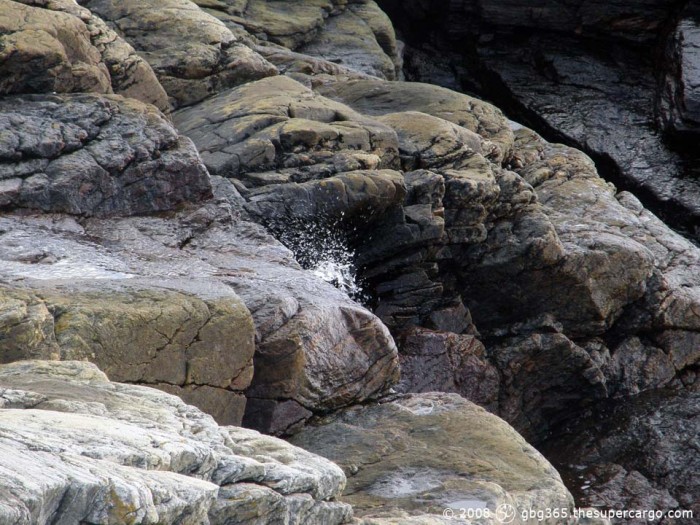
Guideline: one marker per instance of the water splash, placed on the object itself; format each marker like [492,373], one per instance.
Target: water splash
[323,247]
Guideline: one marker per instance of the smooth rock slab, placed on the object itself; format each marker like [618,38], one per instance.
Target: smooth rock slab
[78,448]
[424,452]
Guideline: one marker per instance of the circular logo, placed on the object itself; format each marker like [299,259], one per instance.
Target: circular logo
[505,513]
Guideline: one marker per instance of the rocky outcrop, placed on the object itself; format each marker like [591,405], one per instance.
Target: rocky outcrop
[94,155]
[482,462]
[60,47]
[680,94]
[179,325]
[193,58]
[585,73]
[634,454]
[276,130]
[150,458]
[357,35]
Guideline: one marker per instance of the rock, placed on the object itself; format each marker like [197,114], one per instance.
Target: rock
[61,47]
[572,235]
[636,453]
[427,142]
[356,35]
[362,39]
[95,155]
[170,282]
[150,458]
[544,378]
[680,96]
[45,51]
[374,97]
[446,362]
[352,196]
[276,130]
[585,73]
[26,327]
[193,58]
[482,462]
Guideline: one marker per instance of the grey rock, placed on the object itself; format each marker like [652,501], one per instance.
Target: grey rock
[194,58]
[355,35]
[276,130]
[482,462]
[54,50]
[95,155]
[150,458]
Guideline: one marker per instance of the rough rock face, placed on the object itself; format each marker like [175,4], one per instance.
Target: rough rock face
[193,54]
[276,130]
[680,97]
[60,47]
[640,453]
[150,458]
[482,462]
[170,280]
[357,35]
[448,362]
[94,155]
[586,73]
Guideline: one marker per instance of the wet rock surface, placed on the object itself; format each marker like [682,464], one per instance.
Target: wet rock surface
[584,73]
[181,288]
[506,268]
[640,453]
[478,459]
[150,458]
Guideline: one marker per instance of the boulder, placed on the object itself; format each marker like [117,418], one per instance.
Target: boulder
[374,97]
[276,130]
[150,458]
[165,301]
[44,51]
[61,47]
[94,155]
[422,453]
[356,35]
[193,54]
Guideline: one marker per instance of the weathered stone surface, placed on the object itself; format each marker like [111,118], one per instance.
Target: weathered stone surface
[193,54]
[276,130]
[374,97]
[356,35]
[571,235]
[60,47]
[680,96]
[434,361]
[584,72]
[637,453]
[179,326]
[44,51]
[356,195]
[149,458]
[425,452]
[94,155]
[427,142]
